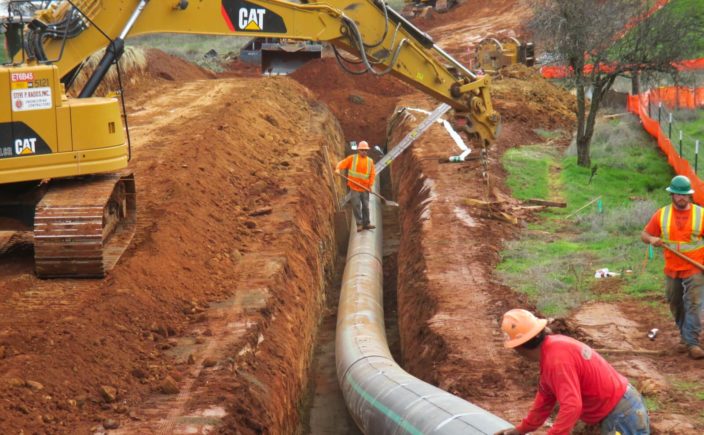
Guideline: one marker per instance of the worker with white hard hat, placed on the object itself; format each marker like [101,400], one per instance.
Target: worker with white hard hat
[360,179]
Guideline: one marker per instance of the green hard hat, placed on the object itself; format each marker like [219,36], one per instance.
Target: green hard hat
[680,185]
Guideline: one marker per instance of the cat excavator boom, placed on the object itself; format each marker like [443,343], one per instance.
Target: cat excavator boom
[63,160]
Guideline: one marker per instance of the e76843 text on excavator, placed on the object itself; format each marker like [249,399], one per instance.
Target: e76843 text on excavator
[64,161]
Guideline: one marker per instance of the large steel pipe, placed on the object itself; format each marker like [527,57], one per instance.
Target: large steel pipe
[381,397]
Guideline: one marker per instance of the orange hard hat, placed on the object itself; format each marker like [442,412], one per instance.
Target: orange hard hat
[520,326]
[363,145]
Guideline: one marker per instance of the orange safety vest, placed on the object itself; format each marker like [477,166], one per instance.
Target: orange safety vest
[687,240]
[360,170]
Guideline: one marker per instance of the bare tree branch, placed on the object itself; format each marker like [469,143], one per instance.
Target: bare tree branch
[600,40]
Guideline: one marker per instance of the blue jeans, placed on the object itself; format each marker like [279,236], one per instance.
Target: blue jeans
[685,298]
[629,416]
[360,206]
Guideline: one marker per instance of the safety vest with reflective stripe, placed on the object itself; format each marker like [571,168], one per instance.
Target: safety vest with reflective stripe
[695,239]
[354,173]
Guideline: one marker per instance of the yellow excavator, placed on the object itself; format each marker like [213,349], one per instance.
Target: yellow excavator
[415,8]
[494,53]
[63,161]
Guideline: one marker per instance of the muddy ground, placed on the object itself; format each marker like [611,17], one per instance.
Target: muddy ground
[209,319]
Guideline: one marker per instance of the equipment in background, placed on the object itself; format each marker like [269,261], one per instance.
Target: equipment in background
[415,8]
[279,56]
[492,54]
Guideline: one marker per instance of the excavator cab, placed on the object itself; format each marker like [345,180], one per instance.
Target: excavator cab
[58,163]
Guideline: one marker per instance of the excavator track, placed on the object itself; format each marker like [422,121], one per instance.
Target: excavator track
[82,226]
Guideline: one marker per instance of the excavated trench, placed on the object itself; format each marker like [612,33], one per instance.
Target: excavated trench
[326,410]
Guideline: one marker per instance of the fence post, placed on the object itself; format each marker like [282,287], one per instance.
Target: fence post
[696,155]
[669,126]
[680,143]
[659,113]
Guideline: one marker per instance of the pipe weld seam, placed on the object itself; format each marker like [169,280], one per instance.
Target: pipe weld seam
[364,357]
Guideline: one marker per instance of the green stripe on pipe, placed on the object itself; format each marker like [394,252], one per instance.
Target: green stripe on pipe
[389,413]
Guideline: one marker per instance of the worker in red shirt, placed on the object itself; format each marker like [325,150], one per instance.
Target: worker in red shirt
[573,375]
[360,179]
[680,225]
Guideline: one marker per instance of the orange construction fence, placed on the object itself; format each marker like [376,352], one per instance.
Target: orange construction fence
[678,97]
[560,72]
[638,104]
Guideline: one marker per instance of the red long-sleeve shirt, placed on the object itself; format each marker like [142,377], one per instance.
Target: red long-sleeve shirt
[579,379]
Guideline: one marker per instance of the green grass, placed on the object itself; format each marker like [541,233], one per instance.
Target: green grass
[530,171]
[555,260]
[691,124]
[681,6]
[651,403]
[680,9]
[690,388]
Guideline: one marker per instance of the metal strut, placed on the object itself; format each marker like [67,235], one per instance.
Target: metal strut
[406,142]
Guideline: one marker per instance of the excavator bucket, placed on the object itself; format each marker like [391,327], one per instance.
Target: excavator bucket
[278,56]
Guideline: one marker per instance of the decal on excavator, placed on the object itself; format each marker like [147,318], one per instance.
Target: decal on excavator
[25,146]
[17,140]
[31,99]
[242,16]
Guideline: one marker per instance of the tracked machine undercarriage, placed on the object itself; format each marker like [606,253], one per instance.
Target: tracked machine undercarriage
[81,225]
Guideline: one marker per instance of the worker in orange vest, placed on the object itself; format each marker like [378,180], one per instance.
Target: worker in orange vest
[576,377]
[681,226]
[360,174]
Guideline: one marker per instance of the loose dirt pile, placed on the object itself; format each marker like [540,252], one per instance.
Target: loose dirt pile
[217,299]
[524,96]
[461,29]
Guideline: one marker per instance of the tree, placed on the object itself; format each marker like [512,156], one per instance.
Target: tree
[600,40]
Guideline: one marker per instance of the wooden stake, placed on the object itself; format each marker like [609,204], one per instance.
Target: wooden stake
[583,207]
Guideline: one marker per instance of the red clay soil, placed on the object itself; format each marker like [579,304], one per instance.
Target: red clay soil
[362,104]
[449,300]
[459,30]
[450,303]
[208,320]
[215,303]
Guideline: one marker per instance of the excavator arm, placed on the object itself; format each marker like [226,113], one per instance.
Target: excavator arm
[84,217]
[381,40]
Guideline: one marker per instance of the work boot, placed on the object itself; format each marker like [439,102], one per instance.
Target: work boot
[682,347]
[696,352]
[369,227]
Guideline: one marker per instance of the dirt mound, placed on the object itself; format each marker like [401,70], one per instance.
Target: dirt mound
[523,95]
[168,67]
[237,68]
[458,30]
[325,74]
[362,103]
[225,222]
